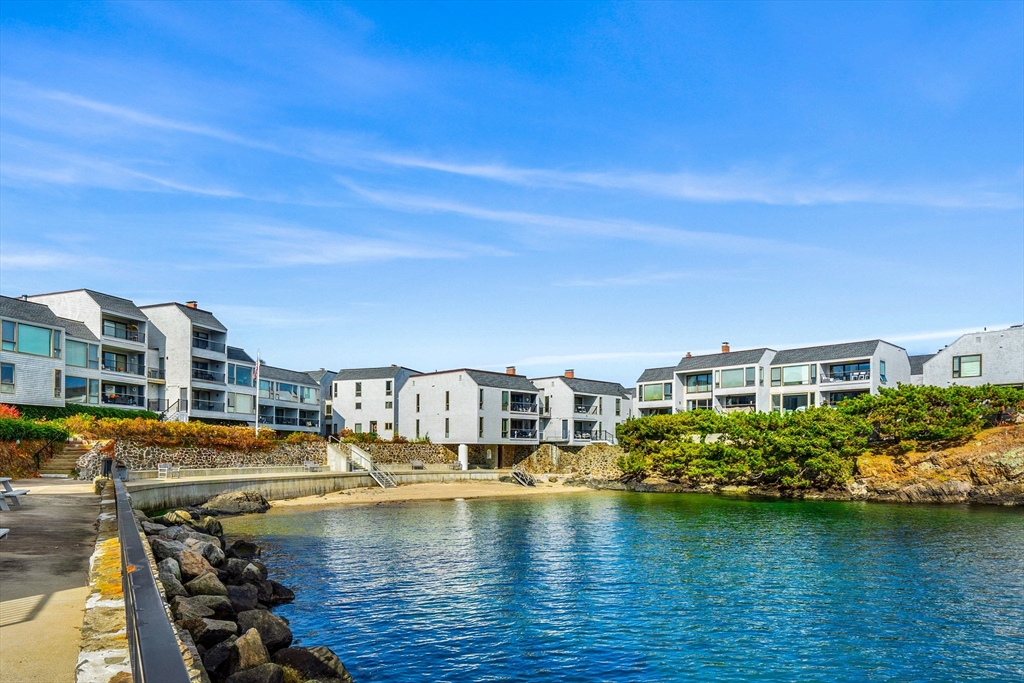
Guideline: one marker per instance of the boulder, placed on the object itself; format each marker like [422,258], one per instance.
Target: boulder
[150,528]
[170,565]
[243,598]
[172,587]
[172,532]
[208,632]
[193,564]
[248,652]
[265,592]
[264,673]
[175,517]
[209,525]
[252,574]
[187,534]
[273,630]
[188,608]
[217,659]
[218,606]
[245,550]
[237,503]
[164,548]
[213,554]
[280,593]
[206,584]
[327,656]
[261,567]
[231,570]
[302,665]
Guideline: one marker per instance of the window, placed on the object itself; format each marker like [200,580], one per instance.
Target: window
[34,340]
[266,389]
[309,395]
[287,392]
[359,428]
[447,428]
[732,378]
[387,388]
[668,390]
[58,383]
[504,428]
[328,410]
[744,401]
[966,366]
[239,375]
[547,404]
[750,376]
[480,428]
[447,401]
[481,406]
[417,429]
[618,407]
[241,403]
[56,343]
[94,356]
[94,391]
[78,354]
[388,405]
[504,400]
[7,378]
[373,426]
[794,402]
[796,374]
[359,388]
[881,369]
[359,406]
[389,426]
[718,379]
[8,336]
[776,398]
[600,405]
[334,390]
[76,389]
[417,403]
[776,377]
[653,392]
[696,384]
[699,404]
[760,380]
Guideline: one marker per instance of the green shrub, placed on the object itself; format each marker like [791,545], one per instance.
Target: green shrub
[26,430]
[58,412]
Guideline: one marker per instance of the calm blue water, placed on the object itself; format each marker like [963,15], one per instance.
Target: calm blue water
[654,587]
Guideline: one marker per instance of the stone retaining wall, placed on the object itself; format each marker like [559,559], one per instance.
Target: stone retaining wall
[136,457]
[404,453]
[597,460]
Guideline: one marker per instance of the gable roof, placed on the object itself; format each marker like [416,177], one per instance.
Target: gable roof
[196,315]
[28,311]
[388,372]
[721,360]
[76,329]
[589,386]
[917,363]
[486,378]
[850,351]
[318,375]
[283,375]
[235,353]
[108,302]
[656,374]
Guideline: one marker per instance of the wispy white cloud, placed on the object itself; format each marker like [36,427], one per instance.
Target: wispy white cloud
[643,279]
[15,257]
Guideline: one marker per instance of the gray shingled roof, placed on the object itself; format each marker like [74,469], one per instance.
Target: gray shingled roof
[656,374]
[283,375]
[389,372]
[589,386]
[850,351]
[318,375]
[77,330]
[500,380]
[721,360]
[20,309]
[235,353]
[917,363]
[116,304]
[196,315]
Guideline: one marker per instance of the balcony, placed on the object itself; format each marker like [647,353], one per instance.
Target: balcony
[157,405]
[523,407]
[582,436]
[126,368]
[208,375]
[266,419]
[127,335]
[208,344]
[858,376]
[124,400]
[585,410]
[293,421]
[208,406]
[155,373]
[523,434]
[310,422]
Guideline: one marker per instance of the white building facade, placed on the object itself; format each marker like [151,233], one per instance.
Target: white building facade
[577,412]
[32,354]
[289,400]
[368,400]
[987,357]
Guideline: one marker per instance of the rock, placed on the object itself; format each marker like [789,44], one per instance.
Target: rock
[261,567]
[252,574]
[188,608]
[265,592]
[209,632]
[273,630]
[213,554]
[172,587]
[280,592]
[302,665]
[176,517]
[934,491]
[207,584]
[325,655]
[553,479]
[193,564]
[210,525]
[245,550]
[164,548]
[187,534]
[169,565]
[232,570]
[217,659]
[172,532]
[151,529]
[264,673]
[237,503]
[248,652]
[243,598]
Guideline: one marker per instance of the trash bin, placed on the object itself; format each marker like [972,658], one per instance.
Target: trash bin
[122,473]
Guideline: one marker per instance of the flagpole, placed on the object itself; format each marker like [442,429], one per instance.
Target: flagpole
[257,392]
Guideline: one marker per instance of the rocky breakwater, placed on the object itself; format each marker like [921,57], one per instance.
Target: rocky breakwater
[221,595]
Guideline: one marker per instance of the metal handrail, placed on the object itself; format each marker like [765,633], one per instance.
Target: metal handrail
[523,433]
[522,408]
[123,400]
[851,376]
[155,373]
[152,645]
[208,344]
[209,406]
[130,335]
[128,368]
[208,375]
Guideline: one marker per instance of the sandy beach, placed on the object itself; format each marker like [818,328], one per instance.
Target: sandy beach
[429,491]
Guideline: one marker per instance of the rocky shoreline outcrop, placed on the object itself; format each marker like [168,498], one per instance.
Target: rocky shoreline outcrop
[222,596]
[987,470]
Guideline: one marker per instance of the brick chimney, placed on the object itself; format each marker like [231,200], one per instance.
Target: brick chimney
[725,347]
[510,370]
[570,373]
[192,304]
[689,355]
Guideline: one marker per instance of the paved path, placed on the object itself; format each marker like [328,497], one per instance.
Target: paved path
[44,574]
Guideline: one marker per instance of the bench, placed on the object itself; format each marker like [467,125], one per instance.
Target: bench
[310,466]
[417,465]
[7,492]
[457,465]
[166,470]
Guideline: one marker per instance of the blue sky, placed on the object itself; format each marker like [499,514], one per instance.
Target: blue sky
[595,186]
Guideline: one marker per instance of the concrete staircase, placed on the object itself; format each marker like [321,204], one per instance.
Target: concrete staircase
[62,464]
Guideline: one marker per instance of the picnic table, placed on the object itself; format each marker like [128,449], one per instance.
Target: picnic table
[7,492]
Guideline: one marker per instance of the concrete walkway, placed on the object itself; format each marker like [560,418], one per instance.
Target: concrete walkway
[44,573]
